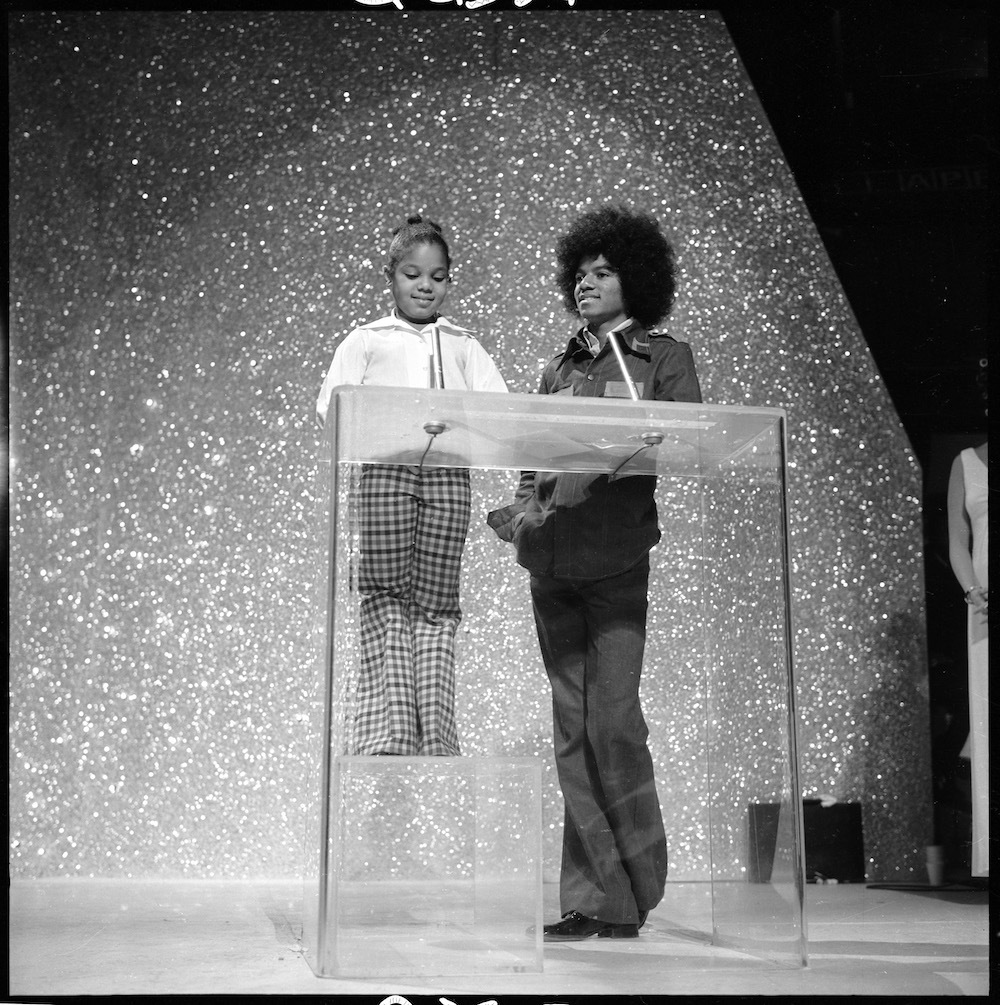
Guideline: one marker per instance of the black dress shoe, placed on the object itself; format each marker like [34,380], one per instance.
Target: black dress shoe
[574,927]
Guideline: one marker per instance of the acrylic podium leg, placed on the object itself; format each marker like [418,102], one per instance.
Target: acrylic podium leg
[752,757]
[435,868]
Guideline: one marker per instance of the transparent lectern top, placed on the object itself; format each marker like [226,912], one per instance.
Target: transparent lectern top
[391,425]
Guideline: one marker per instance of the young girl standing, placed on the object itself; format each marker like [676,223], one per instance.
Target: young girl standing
[413,520]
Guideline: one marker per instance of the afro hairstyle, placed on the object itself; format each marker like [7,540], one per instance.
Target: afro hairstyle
[635,247]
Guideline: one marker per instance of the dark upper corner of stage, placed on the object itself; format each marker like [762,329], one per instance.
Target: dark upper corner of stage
[884,113]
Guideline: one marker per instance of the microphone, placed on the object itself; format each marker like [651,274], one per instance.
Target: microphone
[437,367]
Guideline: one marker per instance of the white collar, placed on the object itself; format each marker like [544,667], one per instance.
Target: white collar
[592,340]
[410,326]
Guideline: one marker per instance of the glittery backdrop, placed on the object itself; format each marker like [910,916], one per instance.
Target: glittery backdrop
[199,204]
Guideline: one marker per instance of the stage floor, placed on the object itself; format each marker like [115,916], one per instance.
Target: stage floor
[164,937]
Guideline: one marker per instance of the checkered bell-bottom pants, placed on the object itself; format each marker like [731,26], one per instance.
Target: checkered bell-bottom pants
[413,526]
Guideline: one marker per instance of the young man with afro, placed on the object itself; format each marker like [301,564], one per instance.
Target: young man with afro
[585,539]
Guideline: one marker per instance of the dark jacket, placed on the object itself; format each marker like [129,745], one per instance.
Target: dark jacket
[580,525]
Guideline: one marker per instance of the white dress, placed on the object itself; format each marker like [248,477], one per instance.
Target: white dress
[976,504]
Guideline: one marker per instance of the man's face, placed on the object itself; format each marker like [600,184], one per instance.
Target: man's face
[599,294]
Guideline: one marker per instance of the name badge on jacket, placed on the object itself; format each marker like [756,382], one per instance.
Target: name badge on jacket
[619,389]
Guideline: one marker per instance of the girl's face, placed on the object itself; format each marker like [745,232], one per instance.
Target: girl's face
[419,283]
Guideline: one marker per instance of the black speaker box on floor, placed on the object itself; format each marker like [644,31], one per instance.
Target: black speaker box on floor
[834,841]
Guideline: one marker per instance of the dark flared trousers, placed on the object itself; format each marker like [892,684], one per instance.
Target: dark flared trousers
[592,636]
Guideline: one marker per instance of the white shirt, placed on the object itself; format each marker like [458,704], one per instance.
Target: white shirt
[391,352]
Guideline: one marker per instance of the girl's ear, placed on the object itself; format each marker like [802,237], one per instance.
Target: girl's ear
[387,273]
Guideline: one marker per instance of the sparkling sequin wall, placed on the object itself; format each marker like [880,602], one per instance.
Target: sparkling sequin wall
[200,205]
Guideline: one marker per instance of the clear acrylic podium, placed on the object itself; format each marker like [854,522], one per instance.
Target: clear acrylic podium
[432,866]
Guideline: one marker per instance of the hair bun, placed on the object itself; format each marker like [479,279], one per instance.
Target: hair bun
[419,220]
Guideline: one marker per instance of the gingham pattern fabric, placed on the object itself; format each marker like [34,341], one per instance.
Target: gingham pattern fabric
[413,526]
